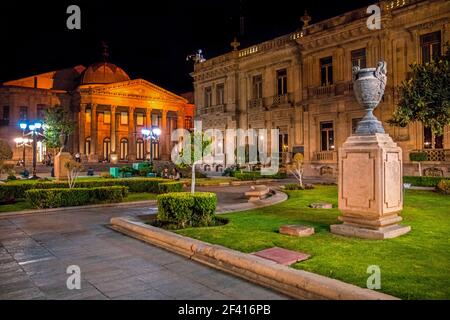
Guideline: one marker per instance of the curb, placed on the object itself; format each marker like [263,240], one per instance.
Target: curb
[294,283]
[277,198]
[14,214]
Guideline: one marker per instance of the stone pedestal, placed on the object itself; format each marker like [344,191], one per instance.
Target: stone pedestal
[60,160]
[370,188]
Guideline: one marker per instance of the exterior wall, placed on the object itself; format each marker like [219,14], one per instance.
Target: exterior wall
[309,103]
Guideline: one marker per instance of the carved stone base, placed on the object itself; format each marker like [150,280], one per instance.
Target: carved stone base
[59,164]
[364,233]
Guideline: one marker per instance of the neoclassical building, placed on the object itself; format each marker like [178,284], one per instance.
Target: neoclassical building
[301,84]
[108,108]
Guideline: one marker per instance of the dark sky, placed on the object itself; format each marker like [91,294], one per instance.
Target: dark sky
[148,39]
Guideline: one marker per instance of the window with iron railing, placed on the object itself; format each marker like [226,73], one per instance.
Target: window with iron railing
[327,136]
[220,94]
[326,71]
[208,97]
[282,82]
[257,87]
[359,58]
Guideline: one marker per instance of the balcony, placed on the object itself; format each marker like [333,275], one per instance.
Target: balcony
[322,91]
[211,110]
[325,156]
[283,99]
[255,103]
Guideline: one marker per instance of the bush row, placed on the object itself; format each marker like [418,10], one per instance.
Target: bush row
[251,176]
[185,209]
[423,181]
[168,187]
[16,190]
[65,197]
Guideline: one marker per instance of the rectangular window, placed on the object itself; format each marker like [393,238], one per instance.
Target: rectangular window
[23,113]
[431,46]
[257,87]
[88,115]
[208,97]
[359,58]
[107,117]
[188,123]
[156,120]
[40,112]
[124,118]
[220,94]
[432,141]
[5,116]
[327,136]
[140,119]
[282,82]
[326,71]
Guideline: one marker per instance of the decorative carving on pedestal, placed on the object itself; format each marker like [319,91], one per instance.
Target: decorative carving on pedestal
[370,169]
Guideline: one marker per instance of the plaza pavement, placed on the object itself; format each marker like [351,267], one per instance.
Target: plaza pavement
[35,251]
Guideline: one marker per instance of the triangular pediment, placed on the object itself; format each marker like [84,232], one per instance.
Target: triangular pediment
[135,88]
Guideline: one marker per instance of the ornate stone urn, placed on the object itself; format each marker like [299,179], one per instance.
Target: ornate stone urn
[369,85]
[370,169]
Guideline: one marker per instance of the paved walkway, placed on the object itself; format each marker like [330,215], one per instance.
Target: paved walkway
[35,251]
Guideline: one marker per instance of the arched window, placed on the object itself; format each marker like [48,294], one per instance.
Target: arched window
[140,149]
[87,146]
[123,149]
[106,148]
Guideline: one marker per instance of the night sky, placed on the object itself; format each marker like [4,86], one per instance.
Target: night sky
[148,40]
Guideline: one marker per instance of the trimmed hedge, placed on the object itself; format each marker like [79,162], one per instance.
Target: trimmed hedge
[65,197]
[256,175]
[185,209]
[296,186]
[169,187]
[16,190]
[444,186]
[423,181]
[418,156]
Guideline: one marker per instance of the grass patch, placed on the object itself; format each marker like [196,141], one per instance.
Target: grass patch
[414,266]
[144,196]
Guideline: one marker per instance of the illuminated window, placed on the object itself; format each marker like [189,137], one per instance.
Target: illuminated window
[432,141]
[220,94]
[326,71]
[5,116]
[208,97]
[188,123]
[140,149]
[156,119]
[257,87]
[87,146]
[140,119]
[106,148]
[88,115]
[282,82]
[107,117]
[431,46]
[327,136]
[124,118]
[123,149]
[359,58]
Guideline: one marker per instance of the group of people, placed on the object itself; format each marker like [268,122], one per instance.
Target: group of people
[174,175]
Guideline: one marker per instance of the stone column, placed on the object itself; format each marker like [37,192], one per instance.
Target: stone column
[164,136]
[93,157]
[148,125]
[81,128]
[114,157]
[131,135]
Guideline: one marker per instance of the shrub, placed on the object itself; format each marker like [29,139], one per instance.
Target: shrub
[444,186]
[16,190]
[423,181]
[418,156]
[169,187]
[127,170]
[296,186]
[106,176]
[186,209]
[5,150]
[65,197]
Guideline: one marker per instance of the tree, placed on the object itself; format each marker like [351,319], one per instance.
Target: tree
[57,121]
[193,153]
[5,150]
[297,170]
[73,170]
[425,97]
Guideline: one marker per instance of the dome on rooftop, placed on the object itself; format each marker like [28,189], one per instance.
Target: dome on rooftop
[104,73]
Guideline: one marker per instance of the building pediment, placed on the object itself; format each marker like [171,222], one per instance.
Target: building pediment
[138,89]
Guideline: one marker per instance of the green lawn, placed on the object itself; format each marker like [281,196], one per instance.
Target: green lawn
[414,266]
[140,197]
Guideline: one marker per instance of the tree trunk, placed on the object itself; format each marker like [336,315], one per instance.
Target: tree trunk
[193,179]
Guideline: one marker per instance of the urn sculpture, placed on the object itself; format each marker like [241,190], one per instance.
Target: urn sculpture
[370,169]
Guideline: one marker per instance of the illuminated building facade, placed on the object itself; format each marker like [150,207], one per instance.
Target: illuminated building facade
[108,108]
[301,83]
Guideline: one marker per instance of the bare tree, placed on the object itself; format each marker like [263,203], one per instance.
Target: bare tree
[298,168]
[73,170]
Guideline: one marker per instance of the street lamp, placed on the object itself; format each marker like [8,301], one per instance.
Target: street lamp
[151,134]
[23,126]
[34,132]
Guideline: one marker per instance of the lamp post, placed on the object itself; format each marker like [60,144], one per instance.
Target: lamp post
[22,142]
[23,126]
[34,132]
[151,134]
